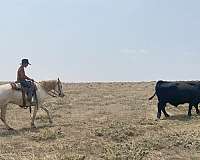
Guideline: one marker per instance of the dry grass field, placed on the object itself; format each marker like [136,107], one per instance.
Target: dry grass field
[102,121]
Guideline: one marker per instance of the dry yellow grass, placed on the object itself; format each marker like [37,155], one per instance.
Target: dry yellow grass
[97,121]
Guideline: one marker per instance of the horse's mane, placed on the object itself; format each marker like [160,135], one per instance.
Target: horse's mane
[48,85]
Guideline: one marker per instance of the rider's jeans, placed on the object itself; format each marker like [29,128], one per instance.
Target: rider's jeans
[28,86]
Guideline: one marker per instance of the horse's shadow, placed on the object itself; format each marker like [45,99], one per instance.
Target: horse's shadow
[4,132]
[22,131]
[14,132]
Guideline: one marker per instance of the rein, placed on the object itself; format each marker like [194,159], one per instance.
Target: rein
[53,93]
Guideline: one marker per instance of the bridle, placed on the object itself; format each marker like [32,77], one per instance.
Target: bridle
[54,92]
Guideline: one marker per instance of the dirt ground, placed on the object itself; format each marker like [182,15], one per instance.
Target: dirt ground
[102,121]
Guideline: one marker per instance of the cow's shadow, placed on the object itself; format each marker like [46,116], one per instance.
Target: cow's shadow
[181,117]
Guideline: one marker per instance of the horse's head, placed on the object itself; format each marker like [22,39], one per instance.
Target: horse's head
[59,88]
[53,87]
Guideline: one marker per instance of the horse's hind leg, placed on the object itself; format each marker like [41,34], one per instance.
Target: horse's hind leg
[46,110]
[3,117]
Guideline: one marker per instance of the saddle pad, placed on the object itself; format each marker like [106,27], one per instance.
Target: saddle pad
[16,86]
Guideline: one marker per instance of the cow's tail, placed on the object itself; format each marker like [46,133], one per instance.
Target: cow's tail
[156,89]
[152,96]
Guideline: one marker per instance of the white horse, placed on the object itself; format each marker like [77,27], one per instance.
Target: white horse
[44,88]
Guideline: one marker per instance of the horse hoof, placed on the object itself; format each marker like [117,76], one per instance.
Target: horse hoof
[10,129]
[33,126]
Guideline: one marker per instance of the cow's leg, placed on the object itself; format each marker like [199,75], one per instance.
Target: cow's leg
[197,109]
[46,110]
[189,110]
[160,107]
[164,111]
[34,115]
[3,117]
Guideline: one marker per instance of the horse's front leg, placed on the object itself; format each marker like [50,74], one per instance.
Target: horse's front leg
[3,117]
[34,115]
[46,110]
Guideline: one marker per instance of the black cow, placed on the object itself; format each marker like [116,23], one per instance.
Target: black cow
[175,93]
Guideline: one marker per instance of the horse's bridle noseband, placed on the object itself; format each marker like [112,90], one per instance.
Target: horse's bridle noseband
[54,93]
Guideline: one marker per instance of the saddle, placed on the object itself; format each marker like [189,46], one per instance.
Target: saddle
[17,86]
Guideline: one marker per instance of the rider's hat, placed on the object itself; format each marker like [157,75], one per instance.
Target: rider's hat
[25,61]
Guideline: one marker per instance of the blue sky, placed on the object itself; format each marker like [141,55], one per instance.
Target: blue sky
[101,40]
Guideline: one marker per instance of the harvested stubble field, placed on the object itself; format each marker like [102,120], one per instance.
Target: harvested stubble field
[97,121]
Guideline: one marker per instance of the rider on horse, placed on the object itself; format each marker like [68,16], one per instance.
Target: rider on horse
[26,82]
